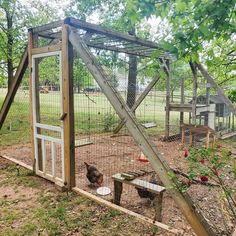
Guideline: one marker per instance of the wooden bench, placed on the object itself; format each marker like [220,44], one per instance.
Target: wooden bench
[154,188]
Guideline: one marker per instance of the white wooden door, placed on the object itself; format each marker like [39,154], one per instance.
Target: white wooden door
[47,126]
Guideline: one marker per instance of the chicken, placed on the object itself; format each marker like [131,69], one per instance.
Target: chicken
[94,176]
[143,193]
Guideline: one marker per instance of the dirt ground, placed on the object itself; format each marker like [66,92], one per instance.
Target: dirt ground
[33,206]
[116,155]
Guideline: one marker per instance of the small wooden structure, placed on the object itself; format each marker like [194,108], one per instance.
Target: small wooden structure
[223,121]
[221,107]
[154,188]
[195,130]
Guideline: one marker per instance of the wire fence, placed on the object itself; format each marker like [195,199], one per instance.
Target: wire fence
[96,144]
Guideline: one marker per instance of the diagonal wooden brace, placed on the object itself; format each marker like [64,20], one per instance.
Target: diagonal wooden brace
[14,86]
[217,87]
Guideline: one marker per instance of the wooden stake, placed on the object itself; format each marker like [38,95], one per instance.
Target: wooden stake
[207,139]
[183,135]
[181,116]
[190,139]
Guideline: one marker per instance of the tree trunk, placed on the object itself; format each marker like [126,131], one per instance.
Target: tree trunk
[132,77]
[172,95]
[10,69]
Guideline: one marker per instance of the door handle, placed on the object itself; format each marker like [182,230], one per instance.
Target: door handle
[63,116]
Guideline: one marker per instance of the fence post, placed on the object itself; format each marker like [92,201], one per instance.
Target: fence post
[68,108]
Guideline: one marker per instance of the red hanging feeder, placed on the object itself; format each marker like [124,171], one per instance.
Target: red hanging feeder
[142,158]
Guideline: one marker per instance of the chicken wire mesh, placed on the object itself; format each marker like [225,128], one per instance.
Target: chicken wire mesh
[95,142]
[112,154]
[118,153]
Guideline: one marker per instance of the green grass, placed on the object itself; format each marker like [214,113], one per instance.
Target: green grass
[21,177]
[93,115]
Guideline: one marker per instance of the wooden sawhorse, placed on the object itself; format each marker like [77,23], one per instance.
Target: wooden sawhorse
[196,130]
[154,188]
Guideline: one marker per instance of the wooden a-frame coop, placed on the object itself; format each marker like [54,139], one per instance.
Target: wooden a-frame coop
[66,39]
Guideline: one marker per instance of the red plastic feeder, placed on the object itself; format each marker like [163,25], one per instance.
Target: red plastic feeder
[142,158]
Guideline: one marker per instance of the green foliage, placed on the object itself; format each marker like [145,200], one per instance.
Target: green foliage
[15,17]
[2,80]
[215,164]
[82,77]
[49,71]
[206,27]
[232,95]
[192,21]
[204,161]
[109,121]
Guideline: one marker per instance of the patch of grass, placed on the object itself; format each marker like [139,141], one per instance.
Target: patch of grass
[47,221]
[28,229]
[9,232]
[44,199]
[107,217]
[81,200]
[19,176]
[54,213]
[10,215]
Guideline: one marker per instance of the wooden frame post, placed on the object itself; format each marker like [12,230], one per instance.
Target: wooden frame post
[181,116]
[37,100]
[68,108]
[30,47]
[166,65]
[194,98]
[183,134]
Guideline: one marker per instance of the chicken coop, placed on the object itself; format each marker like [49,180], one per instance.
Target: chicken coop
[88,118]
[212,108]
